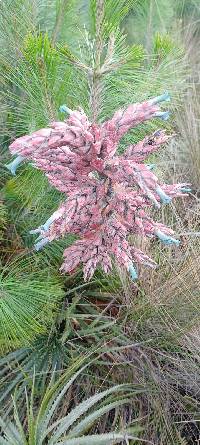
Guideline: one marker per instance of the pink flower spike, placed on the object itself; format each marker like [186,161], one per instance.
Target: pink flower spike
[108,197]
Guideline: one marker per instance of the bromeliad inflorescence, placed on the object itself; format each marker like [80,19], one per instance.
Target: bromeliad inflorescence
[107,195]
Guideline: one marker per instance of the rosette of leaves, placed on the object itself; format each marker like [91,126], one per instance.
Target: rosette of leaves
[70,425]
[89,318]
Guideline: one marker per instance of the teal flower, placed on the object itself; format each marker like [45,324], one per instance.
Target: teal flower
[164,115]
[185,189]
[151,166]
[64,109]
[15,164]
[163,98]
[41,244]
[49,221]
[164,198]
[166,239]
[133,272]
[45,227]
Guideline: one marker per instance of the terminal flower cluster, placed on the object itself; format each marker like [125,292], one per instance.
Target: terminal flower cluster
[108,196]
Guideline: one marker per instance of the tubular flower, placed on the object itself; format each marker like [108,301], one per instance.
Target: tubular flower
[107,195]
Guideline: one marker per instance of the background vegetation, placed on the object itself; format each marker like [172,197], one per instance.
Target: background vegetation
[103,362]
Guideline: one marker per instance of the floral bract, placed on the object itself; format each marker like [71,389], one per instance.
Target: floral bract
[108,196]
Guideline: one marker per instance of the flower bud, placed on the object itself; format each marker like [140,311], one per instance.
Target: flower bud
[133,272]
[165,238]
[164,115]
[164,97]
[164,198]
[41,244]
[15,164]
[64,109]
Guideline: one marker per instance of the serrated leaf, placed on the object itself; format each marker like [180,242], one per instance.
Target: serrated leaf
[64,424]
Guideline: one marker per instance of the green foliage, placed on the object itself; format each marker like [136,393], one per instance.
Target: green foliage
[41,56]
[45,74]
[188,10]
[111,13]
[29,206]
[78,325]
[188,125]
[74,422]
[31,85]
[164,46]
[36,81]
[149,17]
[29,296]
[3,219]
